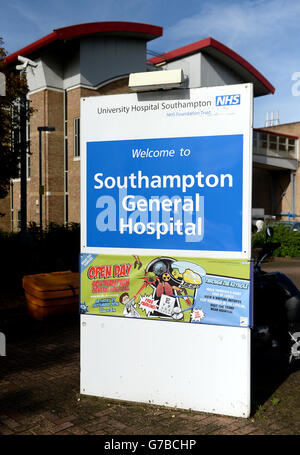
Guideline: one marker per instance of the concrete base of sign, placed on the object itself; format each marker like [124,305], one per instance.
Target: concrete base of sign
[189,366]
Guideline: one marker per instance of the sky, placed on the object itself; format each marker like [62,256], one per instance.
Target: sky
[264,32]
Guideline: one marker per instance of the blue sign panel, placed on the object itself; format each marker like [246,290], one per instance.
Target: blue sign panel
[181,193]
[224,301]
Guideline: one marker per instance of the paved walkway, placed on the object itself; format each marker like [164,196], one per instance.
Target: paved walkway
[291,267]
[39,392]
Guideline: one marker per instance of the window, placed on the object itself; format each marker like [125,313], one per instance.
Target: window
[76,137]
[19,219]
[282,144]
[255,135]
[273,142]
[28,169]
[16,140]
[291,145]
[263,143]
[15,146]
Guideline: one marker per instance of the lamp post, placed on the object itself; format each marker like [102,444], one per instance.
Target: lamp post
[41,187]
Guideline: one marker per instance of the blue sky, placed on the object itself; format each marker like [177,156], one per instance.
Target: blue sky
[264,32]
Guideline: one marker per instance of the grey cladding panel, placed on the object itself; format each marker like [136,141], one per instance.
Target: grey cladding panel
[214,73]
[191,68]
[104,58]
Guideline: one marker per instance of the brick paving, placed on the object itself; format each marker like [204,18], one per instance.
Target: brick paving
[39,392]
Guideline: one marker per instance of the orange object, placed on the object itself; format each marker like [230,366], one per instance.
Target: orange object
[53,293]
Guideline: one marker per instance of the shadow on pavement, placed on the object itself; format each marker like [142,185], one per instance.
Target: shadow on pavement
[34,346]
[269,369]
[37,345]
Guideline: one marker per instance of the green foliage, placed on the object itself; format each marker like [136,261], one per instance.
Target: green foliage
[275,401]
[258,239]
[16,87]
[57,248]
[290,241]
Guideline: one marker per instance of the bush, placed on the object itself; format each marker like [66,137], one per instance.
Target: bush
[258,239]
[54,249]
[290,241]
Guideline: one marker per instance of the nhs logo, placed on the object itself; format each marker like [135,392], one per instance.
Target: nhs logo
[225,100]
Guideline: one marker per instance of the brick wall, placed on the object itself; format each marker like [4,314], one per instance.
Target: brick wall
[48,110]
[5,210]
[73,96]
[48,106]
[54,158]
[283,184]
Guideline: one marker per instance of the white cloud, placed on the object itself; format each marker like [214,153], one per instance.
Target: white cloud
[264,32]
[238,22]
[30,15]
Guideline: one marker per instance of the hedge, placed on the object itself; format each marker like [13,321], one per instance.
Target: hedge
[290,241]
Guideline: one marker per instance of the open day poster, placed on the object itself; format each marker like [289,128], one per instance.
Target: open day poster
[206,290]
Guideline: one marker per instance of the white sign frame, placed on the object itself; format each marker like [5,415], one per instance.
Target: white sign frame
[189,366]
[236,119]
[214,372]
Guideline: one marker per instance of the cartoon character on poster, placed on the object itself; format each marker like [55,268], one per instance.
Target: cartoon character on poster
[174,285]
[129,306]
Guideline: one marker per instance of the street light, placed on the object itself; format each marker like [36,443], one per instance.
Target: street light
[41,187]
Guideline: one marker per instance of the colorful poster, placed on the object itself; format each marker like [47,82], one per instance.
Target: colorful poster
[187,290]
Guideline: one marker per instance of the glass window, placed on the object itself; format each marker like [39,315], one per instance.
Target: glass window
[272,142]
[76,136]
[255,134]
[282,144]
[19,219]
[28,166]
[28,150]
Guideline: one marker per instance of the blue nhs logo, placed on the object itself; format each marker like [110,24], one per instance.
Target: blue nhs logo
[225,100]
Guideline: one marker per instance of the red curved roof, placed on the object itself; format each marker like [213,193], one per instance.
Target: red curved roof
[134,29]
[223,53]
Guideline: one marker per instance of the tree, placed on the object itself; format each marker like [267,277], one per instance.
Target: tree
[16,87]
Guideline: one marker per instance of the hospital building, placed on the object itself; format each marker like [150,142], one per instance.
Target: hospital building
[95,59]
